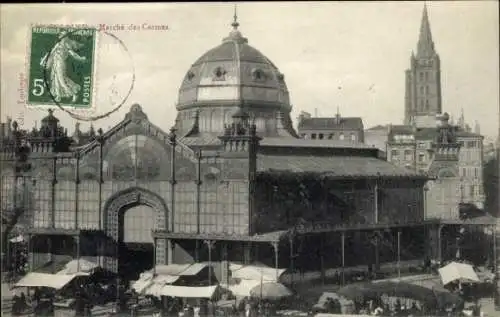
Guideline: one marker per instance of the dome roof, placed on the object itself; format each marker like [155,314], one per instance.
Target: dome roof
[233,73]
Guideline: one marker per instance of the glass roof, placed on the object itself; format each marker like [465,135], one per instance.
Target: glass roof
[135,156]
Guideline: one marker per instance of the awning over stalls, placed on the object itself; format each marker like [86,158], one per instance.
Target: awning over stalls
[148,279]
[17,239]
[158,282]
[152,281]
[56,281]
[79,266]
[255,272]
[188,291]
[171,269]
[194,269]
[455,271]
[332,166]
[243,288]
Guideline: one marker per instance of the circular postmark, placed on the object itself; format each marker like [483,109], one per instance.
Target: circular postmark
[106,68]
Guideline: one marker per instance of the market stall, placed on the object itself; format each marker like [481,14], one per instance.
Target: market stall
[458,272]
[206,292]
[55,281]
[396,295]
[330,302]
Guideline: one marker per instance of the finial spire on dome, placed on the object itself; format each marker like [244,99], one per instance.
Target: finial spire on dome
[235,35]
[235,23]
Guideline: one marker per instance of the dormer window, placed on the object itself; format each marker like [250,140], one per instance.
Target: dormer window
[259,75]
[190,76]
[219,74]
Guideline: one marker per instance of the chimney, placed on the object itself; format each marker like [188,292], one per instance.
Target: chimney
[337,116]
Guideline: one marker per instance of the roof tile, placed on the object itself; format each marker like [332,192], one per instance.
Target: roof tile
[332,166]
[332,123]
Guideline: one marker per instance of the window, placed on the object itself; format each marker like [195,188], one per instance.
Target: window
[426,76]
[313,136]
[421,144]
[421,76]
[408,155]
[426,104]
[303,135]
[421,157]
[426,90]
[321,136]
[421,103]
[421,90]
[341,136]
[476,172]
[471,144]
[353,137]
[464,172]
[394,154]
[472,191]
[330,136]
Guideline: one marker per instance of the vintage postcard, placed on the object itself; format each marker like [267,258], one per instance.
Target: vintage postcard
[317,158]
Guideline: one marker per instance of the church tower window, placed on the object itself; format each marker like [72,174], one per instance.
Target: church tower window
[426,104]
[421,76]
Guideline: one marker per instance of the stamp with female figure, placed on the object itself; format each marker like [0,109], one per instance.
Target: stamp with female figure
[61,66]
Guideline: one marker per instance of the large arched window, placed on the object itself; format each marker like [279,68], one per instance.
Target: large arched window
[135,157]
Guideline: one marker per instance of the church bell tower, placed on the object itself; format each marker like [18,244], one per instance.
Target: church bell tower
[423,80]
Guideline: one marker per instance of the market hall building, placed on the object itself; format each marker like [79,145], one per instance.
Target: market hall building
[230,182]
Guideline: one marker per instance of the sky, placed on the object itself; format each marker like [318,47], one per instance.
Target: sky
[363,47]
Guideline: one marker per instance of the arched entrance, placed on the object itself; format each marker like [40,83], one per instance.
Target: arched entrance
[136,249]
[132,215]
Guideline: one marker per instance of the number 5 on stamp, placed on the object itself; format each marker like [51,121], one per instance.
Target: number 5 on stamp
[61,67]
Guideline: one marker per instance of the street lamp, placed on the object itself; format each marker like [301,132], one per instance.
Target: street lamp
[426,190]
[399,254]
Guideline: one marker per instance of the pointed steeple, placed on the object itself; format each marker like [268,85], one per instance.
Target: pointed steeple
[425,46]
[461,120]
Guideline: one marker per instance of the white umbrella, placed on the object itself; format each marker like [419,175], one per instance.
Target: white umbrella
[455,271]
[17,239]
[270,290]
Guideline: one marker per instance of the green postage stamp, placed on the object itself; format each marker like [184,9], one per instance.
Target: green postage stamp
[61,66]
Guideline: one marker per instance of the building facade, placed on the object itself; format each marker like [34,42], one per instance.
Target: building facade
[348,129]
[412,147]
